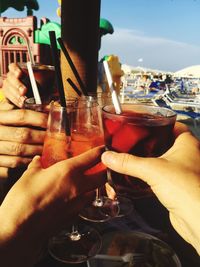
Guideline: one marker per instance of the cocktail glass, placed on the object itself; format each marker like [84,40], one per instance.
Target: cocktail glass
[45,80]
[140,130]
[86,133]
[72,246]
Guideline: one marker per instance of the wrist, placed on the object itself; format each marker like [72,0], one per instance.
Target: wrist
[188,225]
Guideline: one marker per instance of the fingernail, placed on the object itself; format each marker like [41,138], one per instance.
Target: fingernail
[22,90]
[108,157]
[21,100]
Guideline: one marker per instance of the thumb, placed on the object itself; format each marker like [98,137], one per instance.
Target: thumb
[35,163]
[147,169]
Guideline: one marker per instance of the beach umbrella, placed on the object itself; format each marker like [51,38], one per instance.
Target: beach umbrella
[19,5]
[189,72]
[105,27]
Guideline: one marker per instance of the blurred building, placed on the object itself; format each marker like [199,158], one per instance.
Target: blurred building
[15,33]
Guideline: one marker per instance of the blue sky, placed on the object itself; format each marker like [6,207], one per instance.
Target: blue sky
[159,34]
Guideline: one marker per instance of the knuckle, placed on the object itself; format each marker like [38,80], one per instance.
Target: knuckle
[43,120]
[22,134]
[14,69]
[74,192]
[15,163]
[17,149]
[21,116]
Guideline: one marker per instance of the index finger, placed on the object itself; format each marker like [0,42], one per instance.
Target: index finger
[15,69]
[180,128]
[84,161]
[23,117]
[147,169]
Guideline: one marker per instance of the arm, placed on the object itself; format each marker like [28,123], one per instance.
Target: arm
[174,178]
[35,199]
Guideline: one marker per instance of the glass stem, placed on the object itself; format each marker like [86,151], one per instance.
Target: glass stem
[75,235]
[98,202]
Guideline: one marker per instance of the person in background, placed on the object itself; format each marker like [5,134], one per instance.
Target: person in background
[168,80]
[174,178]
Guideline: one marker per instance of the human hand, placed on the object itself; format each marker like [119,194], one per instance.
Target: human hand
[14,90]
[174,178]
[19,141]
[45,200]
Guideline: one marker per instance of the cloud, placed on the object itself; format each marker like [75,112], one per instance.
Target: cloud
[140,59]
[157,53]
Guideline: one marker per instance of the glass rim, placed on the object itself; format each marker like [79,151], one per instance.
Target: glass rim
[31,102]
[55,99]
[87,104]
[36,66]
[170,113]
[56,103]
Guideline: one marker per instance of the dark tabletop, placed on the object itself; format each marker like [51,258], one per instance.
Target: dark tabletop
[148,216]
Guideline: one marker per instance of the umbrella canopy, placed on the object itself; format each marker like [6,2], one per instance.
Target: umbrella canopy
[18,5]
[105,27]
[189,72]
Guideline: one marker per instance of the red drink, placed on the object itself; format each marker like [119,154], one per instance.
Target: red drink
[58,146]
[45,79]
[140,130]
[82,143]
[85,133]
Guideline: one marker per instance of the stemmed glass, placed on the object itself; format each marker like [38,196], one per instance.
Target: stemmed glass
[102,208]
[119,206]
[140,130]
[72,246]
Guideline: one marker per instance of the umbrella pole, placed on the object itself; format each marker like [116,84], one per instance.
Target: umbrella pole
[80,33]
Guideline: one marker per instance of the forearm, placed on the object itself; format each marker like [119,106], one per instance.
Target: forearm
[19,244]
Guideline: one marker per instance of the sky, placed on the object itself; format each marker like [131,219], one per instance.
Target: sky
[156,34]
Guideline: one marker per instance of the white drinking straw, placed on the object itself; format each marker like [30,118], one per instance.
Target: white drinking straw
[30,53]
[114,95]
[33,83]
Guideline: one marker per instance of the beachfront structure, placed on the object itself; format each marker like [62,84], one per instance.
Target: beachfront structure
[16,33]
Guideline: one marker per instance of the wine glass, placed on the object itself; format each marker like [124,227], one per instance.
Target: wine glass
[74,245]
[122,205]
[140,130]
[86,135]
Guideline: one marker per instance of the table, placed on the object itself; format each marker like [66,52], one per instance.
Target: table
[148,216]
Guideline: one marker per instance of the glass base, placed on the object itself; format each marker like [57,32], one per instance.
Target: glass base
[101,210]
[125,206]
[75,247]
